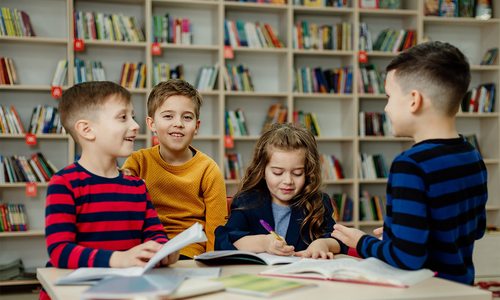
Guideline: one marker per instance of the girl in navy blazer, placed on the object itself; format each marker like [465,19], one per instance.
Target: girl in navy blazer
[281,186]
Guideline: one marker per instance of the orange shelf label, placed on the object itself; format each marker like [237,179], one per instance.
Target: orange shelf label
[30,139]
[31,189]
[156,49]
[79,45]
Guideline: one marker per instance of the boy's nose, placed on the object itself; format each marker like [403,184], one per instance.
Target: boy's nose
[135,126]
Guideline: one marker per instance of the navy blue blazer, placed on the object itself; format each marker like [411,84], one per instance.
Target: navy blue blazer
[245,220]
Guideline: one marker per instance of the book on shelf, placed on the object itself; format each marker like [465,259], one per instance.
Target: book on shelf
[8,73]
[20,168]
[237,78]
[323,3]
[331,167]
[370,80]
[308,121]
[133,75]
[110,27]
[15,22]
[389,4]
[85,71]
[368,3]
[249,284]
[13,217]
[163,72]
[371,208]
[372,166]
[45,119]
[230,257]
[236,123]
[343,207]
[193,234]
[480,99]
[167,29]
[233,166]
[207,78]
[277,113]
[483,10]
[490,57]
[448,8]
[318,80]
[367,271]
[307,35]
[395,40]
[10,122]
[250,34]
[431,7]
[260,1]
[59,77]
[374,124]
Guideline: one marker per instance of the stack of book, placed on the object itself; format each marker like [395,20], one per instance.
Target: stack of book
[307,35]
[163,72]
[13,217]
[133,75]
[308,120]
[235,123]
[207,77]
[277,113]
[370,80]
[110,27]
[45,119]
[322,3]
[18,168]
[372,166]
[392,40]
[88,71]
[10,121]
[237,78]
[8,74]
[331,167]
[371,208]
[374,124]
[480,99]
[233,166]
[318,80]
[15,22]
[247,34]
[167,29]
[60,74]
[365,38]
[343,207]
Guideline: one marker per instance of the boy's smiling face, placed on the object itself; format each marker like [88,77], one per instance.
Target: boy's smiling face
[115,128]
[175,123]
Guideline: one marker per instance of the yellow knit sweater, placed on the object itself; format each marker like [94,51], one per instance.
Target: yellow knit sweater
[185,194]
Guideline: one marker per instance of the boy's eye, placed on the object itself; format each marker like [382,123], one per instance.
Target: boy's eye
[188,117]
[167,117]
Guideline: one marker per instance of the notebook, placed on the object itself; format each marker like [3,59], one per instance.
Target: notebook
[368,271]
[193,234]
[229,257]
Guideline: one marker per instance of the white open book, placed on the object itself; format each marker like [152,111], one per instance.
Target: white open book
[229,257]
[193,234]
[368,271]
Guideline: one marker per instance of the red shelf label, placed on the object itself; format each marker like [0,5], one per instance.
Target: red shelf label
[156,49]
[228,142]
[56,92]
[78,45]
[30,139]
[31,189]
[362,57]
[228,52]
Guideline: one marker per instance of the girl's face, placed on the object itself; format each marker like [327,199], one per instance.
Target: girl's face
[285,175]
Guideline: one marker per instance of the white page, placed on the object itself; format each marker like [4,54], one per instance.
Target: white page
[272,259]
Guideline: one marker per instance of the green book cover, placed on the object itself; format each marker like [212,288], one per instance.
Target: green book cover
[260,286]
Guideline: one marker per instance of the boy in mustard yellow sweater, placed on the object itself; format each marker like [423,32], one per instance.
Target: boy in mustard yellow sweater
[186,186]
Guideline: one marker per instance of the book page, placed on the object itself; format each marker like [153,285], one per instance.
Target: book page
[326,268]
[271,259]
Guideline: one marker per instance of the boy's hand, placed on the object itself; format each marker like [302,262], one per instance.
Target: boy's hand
[317,249]
[170,259]
[349,236]
[277,247]
[378,232]
[136,256]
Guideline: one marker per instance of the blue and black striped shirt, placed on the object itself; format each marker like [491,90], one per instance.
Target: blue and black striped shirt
[436,197]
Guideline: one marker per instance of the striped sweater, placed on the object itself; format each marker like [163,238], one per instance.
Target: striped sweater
[87,217]
[436,197]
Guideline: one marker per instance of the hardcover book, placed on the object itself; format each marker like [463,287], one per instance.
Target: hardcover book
[228,257]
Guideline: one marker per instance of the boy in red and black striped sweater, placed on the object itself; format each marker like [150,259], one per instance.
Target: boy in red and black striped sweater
[96,216]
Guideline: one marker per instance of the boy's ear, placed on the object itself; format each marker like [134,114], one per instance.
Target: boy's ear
[416,102]
[151,124]
[198,122]
[83,129]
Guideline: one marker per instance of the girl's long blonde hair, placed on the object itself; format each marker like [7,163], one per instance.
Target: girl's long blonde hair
[289,137]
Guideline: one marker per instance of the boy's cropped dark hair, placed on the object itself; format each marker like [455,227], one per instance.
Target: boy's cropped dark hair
[438,70]
[173,87]
[83,100]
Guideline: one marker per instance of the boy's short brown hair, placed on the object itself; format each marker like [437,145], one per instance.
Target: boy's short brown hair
[436,69]
[83,100]
[173,87]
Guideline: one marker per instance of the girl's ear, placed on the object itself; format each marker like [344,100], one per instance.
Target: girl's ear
[416,102]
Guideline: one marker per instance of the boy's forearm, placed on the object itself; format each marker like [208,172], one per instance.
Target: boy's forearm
[252,243]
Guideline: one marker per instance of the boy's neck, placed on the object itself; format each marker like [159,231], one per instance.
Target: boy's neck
[176,158]
[104,167]
[436,128]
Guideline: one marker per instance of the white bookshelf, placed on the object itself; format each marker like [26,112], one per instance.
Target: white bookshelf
[272,74]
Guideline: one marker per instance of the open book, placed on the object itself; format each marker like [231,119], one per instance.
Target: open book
[229,257]
[369,271]
[193,234]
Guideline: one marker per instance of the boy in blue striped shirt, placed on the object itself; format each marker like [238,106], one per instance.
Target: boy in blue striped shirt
[436,190]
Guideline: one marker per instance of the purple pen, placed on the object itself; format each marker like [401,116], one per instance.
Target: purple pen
[270,229]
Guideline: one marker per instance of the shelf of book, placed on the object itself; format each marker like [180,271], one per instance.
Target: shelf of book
[272,71]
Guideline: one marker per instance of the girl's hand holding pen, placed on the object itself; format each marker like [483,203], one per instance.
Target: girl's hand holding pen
[275,243]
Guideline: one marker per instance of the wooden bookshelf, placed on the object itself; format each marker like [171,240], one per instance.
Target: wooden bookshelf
[272,73]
